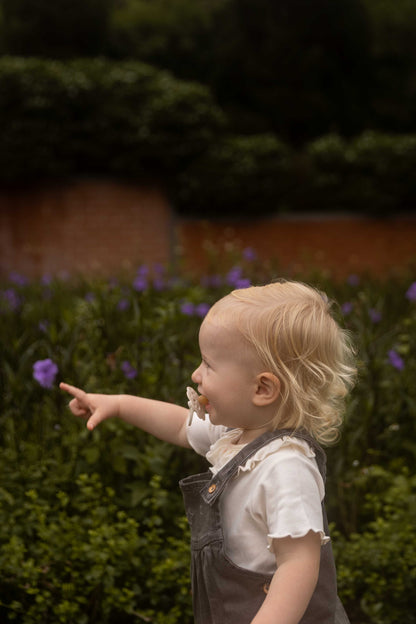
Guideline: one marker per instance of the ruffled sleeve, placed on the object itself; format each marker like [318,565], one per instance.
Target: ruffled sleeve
[202,434]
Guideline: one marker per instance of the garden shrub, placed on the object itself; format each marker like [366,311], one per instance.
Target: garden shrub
[240,175]
[371,173]
[98,117]
[377,566]
[92,526]
[74,556]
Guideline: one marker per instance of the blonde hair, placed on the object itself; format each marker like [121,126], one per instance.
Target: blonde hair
[293,332]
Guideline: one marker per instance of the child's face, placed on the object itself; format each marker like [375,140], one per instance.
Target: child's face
[227,376]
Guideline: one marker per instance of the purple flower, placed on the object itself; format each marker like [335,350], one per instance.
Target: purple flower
[45,371]
[123,305]
[201,309]
[243,282]
[89,297]
[16,278]
[12,299]
[43,326]
[411,292]
[353,280]
[129,371]
[140,283]
[234,275]
[143,270]
[188,308]
[374,315]
[347,308]
[159,282]
[249,254]
[395,360]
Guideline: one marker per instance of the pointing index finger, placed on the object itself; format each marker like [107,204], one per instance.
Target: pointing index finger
[76,392]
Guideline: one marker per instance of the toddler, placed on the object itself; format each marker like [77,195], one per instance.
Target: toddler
[275,368]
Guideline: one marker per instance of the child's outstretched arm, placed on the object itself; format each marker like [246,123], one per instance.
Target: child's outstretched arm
[165,421]
[294,581]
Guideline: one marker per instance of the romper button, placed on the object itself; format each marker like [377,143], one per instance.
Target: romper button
[212,488]
[266,588]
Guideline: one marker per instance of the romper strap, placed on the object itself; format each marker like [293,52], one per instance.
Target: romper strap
[216,485]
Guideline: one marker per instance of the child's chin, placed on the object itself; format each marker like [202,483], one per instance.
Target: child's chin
[214,420]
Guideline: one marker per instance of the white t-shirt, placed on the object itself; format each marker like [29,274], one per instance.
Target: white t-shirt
[276,493]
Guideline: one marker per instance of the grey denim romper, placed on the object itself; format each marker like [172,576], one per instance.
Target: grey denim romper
[224,593]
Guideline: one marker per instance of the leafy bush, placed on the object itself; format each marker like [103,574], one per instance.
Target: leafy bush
[92,526]
[372,173]
[239,175]
[98,117]
[73,556]
[380,560]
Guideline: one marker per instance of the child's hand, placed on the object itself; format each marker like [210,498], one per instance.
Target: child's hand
[94,408]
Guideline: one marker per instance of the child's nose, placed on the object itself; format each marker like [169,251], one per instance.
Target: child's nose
[196,375]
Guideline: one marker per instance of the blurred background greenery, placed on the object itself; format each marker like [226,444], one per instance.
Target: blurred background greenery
[312,103]
[293,67]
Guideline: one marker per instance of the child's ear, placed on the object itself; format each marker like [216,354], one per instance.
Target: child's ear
[267,389]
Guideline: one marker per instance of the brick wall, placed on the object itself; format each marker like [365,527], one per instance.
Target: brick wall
[342,245]
[83,227]
[102,227]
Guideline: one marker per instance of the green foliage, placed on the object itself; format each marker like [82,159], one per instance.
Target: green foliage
[73,556]
[379,426]
[238,175]
[296,68]
[266,63]
[380,560]
[292,67]
[92,526]
[97,117]
[174,34]
[371,173]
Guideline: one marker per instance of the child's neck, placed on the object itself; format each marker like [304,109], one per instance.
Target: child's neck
[248,435]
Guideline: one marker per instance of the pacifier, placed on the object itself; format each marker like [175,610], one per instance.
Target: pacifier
[196,404]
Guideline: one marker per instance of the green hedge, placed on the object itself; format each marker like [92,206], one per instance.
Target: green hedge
[240,176]
[379,560]
[92,526]
[97,117]
[132,121]
[372,173]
